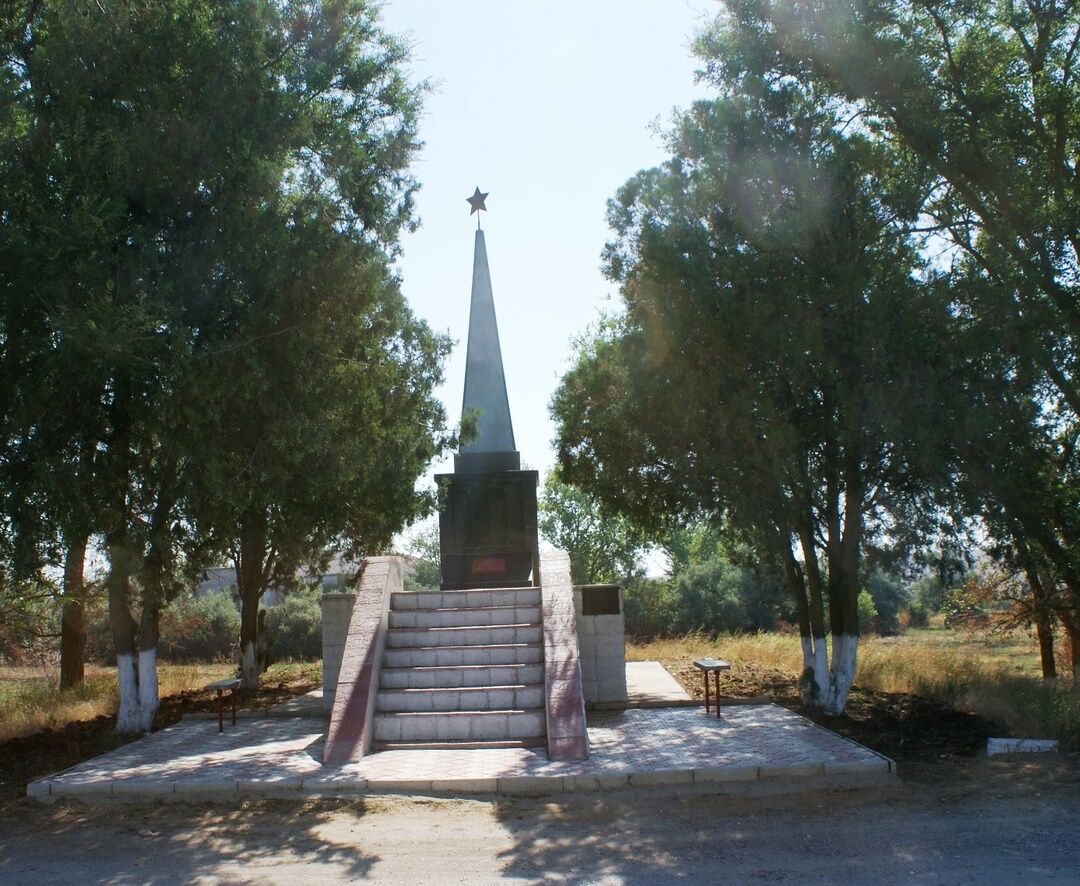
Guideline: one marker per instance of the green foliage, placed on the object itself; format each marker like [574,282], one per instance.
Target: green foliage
[888,595]
[423,547]
[962,608]
[205,349]
[710,597]
[783,349]
[603,546]
[29,622]
[867,612]
[650,607]
[294,627]
[199,629]
[985,96]
[928,592]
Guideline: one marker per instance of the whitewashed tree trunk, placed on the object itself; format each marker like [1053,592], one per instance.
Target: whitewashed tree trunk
[127,718]
[249,667]
[829,687]
[844,675]
[148,688]
[138,683]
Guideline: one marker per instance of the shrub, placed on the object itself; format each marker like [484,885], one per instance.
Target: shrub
[712,597]
[294,626]
[867,612]
[193,629]
[649,607]
[203,628]
[928,593]
[887,591]
[915,616]
[963,609]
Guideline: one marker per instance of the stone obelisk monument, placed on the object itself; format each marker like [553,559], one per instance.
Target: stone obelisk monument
[487,507]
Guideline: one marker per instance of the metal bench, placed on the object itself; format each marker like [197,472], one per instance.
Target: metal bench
[231,684]
[712,666]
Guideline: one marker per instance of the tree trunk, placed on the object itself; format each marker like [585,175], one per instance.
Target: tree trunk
[148,678]
[251,581]
[844,591]
[73,617]
[819,680]
[1072,628]
[1042,609]
[794,576]
[128,717]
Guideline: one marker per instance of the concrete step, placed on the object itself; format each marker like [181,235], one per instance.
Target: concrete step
[465,599]
[483,635]
[476,698]
[465,675]
[539,742]
[462,617]
[458,656]
[461,725]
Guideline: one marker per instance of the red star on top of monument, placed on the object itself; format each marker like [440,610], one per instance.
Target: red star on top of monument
[476,201]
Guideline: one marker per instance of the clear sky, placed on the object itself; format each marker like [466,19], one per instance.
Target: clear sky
[549,107]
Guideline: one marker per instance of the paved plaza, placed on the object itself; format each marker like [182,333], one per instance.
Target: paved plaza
[749,744]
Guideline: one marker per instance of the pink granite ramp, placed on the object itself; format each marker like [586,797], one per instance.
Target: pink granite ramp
[351,729]
[567,737]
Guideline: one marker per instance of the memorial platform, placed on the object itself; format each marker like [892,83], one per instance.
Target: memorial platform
[752,748]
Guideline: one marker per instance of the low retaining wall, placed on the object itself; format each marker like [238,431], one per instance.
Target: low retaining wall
[352,720]
[567,737]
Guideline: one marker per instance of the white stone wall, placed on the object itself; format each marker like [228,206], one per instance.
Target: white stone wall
[336,613]
[602,646]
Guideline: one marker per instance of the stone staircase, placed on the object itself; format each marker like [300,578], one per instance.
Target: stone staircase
[462,669]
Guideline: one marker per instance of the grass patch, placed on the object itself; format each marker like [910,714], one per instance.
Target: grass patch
[994,677]
[30,701]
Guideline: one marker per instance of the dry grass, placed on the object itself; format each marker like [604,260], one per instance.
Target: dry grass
[996,678]
[30,701]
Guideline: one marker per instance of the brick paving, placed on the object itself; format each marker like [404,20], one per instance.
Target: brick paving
[631,747]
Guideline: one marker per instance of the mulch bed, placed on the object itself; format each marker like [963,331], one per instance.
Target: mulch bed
[25,759]
[907,728]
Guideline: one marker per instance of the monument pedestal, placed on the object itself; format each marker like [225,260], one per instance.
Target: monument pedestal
[487,530]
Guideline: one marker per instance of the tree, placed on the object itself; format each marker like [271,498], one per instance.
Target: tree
[320,434]
[780,353]
[985,95]
[168,260]
[603,547]
[423,549]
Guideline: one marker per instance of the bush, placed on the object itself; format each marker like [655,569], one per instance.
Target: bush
[294,626]
[193,629]
[889,596]
[203,628]
[915,616]
[867,612]
[928,593]
[649,607]
[963,609]
[712,598]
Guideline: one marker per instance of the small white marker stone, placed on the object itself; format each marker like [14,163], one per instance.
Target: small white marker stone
[1019,745]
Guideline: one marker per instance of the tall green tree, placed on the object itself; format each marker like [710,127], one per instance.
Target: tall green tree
[779,353]
[206,201]
[984,93]
[603,547]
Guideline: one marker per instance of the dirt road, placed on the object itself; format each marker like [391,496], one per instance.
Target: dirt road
[984,821]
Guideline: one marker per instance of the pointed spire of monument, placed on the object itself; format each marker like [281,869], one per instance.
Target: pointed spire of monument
[493,448]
